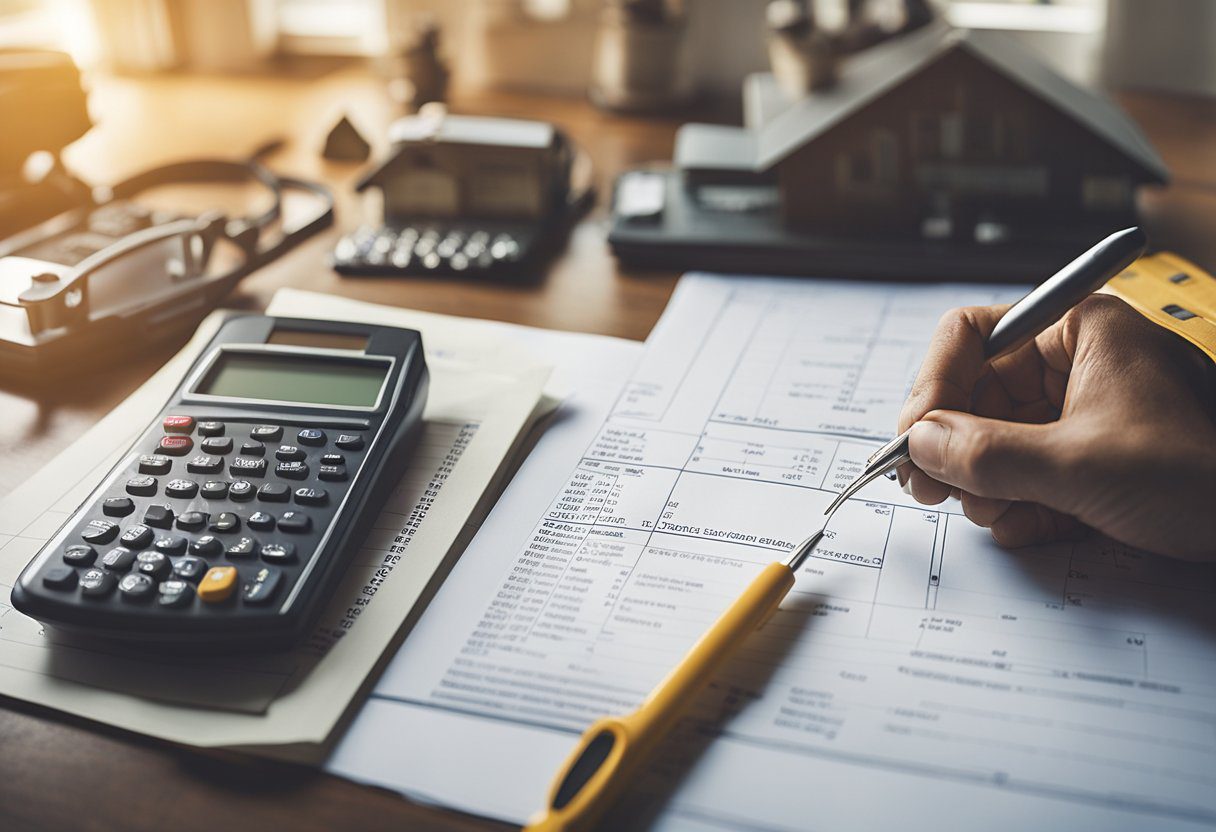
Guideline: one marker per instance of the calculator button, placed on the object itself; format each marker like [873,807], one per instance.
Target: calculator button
[118,506]
[59,577]
[178,424]
[170,544]
[207,546]
[264,585]
[289,453]
[261,521]
[292,470]
[136,587]
[175,445]
[224,522]
[181,488]
[153,564]
[274,492]
[142,486]
[99,531]
[245,547]
[253,449]
[118,559]
[154,464]
[79,555]
[96,583]
[245,467]
[279,552]
[332,473]
[191,521]
[160,516]
[217,445]
[266,433]
[311,436]
[190,568]
[174,593]
[312,496]
[240,491]
[295,522]
[137,536]
[210,428]
[217,585]
[214,490]
[333,459]
[204,464]
[349,442]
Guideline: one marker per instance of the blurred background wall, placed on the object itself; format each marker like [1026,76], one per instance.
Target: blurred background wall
[548,44]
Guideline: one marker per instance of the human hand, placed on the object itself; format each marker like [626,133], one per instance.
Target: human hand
[1105,421]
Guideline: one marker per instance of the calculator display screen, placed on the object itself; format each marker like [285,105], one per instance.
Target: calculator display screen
[294,378]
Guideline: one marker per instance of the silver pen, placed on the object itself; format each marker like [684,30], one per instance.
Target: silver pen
[1042,307]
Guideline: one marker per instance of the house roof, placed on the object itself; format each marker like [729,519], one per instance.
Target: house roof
[872,73]
[460,130]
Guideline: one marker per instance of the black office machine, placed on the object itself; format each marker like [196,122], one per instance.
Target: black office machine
[112,277]
[471,196]
[228,522]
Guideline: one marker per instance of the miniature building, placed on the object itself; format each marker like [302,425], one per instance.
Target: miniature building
[449,166]
[941,132]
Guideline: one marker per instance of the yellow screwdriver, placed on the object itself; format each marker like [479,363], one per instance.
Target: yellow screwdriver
[614,748]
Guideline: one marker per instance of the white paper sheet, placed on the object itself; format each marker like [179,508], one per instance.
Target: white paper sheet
[918,677]
[486,389]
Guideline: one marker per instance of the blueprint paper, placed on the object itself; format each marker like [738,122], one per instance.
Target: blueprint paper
[917,677]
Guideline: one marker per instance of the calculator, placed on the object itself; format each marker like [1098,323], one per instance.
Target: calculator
[228,522]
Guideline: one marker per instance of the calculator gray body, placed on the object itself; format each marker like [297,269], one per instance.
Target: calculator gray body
[295,521]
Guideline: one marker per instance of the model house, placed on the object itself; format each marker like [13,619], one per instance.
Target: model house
[942,133]
[446,166]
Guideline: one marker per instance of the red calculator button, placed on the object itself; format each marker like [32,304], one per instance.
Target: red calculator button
[176,445]
[178,424]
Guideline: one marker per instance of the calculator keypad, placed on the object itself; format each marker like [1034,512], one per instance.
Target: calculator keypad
[170,540]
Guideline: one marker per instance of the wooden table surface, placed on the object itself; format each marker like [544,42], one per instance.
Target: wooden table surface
[64,773]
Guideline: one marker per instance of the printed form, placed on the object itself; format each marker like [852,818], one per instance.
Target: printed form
[918,676]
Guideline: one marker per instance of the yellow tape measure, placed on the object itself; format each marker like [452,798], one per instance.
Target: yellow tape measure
[1174,293]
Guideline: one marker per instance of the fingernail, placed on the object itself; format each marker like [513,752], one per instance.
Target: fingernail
[907,487]
[927,444]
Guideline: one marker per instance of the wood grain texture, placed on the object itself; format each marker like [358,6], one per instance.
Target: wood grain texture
[63,773]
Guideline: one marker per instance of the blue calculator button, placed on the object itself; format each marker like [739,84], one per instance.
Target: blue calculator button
[311,436]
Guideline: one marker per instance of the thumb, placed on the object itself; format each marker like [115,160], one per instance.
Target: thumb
[989,457]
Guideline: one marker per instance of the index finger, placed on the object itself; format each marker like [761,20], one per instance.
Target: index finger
[954,363]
